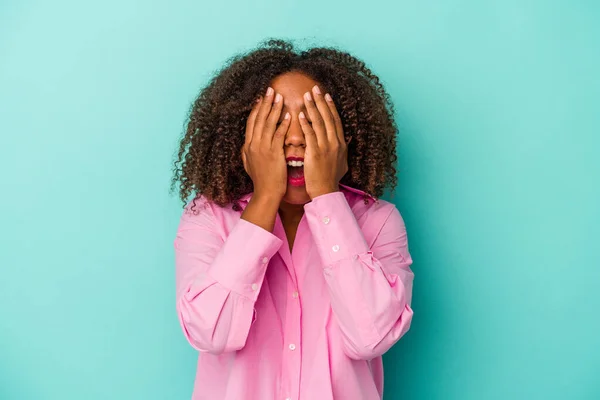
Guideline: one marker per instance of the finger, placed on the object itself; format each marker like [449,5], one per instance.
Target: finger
[309,133]
[279,135]
[271,123]
[317,122]
[339,127]
[263,112]
[251,121]
[326,116]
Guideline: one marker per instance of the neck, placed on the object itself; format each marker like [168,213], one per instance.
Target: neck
[291,213]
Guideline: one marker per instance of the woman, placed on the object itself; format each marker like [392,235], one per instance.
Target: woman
[292,277]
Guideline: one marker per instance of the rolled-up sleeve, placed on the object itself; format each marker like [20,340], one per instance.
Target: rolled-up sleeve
[370,286]
[218,279]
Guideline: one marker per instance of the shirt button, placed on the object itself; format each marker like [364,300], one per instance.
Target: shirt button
[254,286]
[292,347]
[335,248]
[355,257]
[295,295]
[325,220]
[265,260]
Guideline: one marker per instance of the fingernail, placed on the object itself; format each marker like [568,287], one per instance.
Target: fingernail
[302,115]
[269,91]
[316,89]
[287,115]
[327,97]
[307,96]
[277,97]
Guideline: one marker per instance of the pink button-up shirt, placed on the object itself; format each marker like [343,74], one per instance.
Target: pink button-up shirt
[310,325]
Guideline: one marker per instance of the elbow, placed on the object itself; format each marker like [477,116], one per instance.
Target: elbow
[205,345]
[203,341]
[209,336]
[364,351]
[358,353]
[368,350]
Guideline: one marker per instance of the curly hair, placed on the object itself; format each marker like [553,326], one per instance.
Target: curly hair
[208,162]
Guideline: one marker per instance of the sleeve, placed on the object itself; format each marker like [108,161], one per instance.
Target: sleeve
[217,280]
[370,288]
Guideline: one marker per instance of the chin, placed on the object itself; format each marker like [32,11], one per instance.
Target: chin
[296,195]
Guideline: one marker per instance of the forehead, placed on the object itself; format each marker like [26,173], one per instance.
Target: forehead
[292,86]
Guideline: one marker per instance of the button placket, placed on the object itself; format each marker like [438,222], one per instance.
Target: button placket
[292,343]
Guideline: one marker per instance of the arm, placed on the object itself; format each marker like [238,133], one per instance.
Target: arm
[370,289]
[218,280]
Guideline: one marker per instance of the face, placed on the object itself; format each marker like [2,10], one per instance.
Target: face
[292,86]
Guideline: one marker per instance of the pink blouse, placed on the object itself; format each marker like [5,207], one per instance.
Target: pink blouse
[308,325]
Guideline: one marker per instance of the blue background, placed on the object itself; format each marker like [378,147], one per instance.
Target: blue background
[498,108]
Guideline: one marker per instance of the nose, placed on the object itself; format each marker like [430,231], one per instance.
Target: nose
[295,135]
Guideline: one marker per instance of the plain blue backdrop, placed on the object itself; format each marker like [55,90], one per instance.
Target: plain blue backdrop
[498,109]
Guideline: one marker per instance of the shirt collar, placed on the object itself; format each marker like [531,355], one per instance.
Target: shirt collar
[345,188]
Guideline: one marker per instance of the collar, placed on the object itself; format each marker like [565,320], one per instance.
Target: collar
[345,188]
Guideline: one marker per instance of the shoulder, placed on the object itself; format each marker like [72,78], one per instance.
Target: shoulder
[376,216]
[197,207]
[372,209]
[203,215]
[201,211]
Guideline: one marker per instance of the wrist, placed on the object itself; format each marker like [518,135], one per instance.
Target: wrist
[322,191]
[262,211]
[266,200]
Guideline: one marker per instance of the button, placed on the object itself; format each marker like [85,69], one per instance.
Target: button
[326,220]
[265,260]
[335,248]
[254,286]
[295,295]
[355,257]
[292,347]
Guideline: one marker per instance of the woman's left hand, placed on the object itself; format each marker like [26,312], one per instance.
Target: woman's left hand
[326,154]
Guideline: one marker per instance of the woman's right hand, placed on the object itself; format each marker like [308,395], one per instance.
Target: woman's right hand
[262,154]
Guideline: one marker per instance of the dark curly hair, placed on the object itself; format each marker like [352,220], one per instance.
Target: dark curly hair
[208,162]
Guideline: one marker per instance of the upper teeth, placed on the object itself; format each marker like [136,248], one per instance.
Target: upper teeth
[295,163]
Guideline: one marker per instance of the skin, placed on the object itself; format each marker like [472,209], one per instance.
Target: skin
[312,130]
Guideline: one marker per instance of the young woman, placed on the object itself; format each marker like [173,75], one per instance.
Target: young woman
[293,278]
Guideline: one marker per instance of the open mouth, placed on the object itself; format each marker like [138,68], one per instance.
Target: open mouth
[295,171]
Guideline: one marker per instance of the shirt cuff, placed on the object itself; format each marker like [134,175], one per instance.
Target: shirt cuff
[242,262]
[334,227]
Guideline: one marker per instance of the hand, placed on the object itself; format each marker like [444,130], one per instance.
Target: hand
[262,154]
[326,154]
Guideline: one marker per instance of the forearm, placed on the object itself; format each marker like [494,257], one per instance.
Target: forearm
[262,211]
[218,281]
[369,286]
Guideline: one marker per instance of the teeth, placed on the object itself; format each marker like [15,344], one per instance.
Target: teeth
[295,163]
